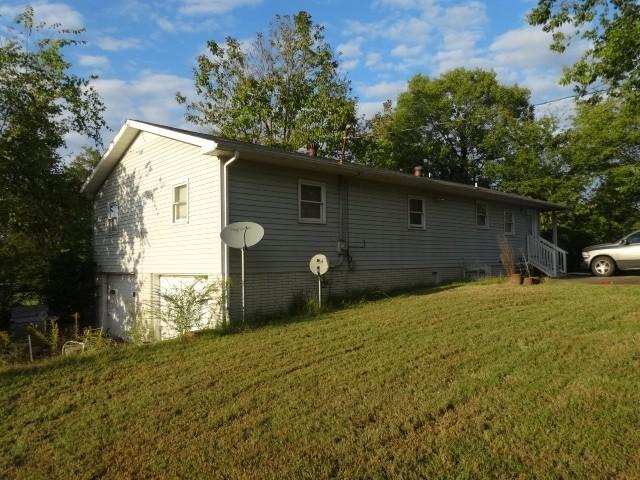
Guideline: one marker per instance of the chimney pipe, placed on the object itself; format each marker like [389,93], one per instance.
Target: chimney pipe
[417,171]
[312,149]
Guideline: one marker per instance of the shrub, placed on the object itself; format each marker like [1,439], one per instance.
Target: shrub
[190,307]
[5,340]
[95,339]
[302,304]
[50,338]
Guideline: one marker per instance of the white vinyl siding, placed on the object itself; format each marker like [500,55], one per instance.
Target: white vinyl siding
[509,224]
[482,214]
[416,213]
[142,185]
[311,202]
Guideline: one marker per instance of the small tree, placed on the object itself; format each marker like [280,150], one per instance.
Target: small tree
[189,307]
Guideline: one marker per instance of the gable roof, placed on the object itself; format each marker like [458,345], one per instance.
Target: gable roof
[223,147]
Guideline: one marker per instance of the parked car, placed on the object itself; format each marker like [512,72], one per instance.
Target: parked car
[606,258]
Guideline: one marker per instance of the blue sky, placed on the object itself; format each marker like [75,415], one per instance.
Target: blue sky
[143,51]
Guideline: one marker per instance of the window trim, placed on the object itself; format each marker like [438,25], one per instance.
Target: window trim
[323,202]
[513,222]
[486,208]
[179,221]
[115,229]
[415,226]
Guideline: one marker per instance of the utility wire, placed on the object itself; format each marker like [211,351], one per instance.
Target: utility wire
[546,102]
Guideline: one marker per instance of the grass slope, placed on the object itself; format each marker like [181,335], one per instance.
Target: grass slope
[469,381]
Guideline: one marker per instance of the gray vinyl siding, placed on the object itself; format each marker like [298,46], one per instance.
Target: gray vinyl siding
[377,219]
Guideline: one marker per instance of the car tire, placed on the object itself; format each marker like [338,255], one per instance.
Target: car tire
[603,266]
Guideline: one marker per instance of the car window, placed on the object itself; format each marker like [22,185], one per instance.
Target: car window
[633,239]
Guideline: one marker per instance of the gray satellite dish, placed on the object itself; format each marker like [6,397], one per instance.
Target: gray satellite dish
[242,234]
[319,264]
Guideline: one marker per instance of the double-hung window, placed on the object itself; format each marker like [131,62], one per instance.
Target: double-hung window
[311,202]
[482,214]
[416,213]
[112,217]
[509,224]
[180,203]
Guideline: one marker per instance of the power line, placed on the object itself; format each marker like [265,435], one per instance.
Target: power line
[575,95]
[546,102]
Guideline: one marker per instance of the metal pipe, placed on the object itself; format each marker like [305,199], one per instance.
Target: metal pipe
[225,222]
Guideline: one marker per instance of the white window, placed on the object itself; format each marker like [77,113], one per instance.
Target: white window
[112,217]
[311,202]
[416,215]
[181,203]
[509,224]
[482,214]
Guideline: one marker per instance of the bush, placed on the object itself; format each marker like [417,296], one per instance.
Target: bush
[5,340]
[190,307]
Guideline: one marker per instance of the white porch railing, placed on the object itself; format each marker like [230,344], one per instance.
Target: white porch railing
[546,257]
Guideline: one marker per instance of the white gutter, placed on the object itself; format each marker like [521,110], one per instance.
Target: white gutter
[225,222]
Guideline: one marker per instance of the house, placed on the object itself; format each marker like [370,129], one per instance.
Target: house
[162,196]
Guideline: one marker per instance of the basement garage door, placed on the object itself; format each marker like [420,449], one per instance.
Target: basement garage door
[121,304]
[173,284]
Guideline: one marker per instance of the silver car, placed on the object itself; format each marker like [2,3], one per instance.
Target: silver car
[605,259]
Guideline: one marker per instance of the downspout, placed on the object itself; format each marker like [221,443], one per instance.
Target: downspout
[225,222]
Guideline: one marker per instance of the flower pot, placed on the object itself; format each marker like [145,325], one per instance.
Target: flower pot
[515,278]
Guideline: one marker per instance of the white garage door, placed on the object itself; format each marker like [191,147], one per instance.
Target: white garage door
[121,304]
[169,283]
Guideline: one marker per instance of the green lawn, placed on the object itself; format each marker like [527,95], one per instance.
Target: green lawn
[468,381]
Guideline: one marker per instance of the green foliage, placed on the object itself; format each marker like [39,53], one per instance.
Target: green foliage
[95,339]
[48,337]
[141,329]
[456,123]
[303,304]
[593,168]
[283,90]
[5,341]
[43,217]
[190,307]
[612,28]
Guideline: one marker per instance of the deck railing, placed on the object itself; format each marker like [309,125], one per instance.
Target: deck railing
[546,257]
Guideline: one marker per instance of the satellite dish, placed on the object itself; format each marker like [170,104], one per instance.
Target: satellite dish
[319,265]
[242,234]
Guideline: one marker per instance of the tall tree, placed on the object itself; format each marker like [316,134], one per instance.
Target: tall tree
[593,168]
[41,103]
[454,123]
[283,89]
[612,27]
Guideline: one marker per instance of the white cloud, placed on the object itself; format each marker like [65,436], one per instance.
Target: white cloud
[382,90]
[349,64]
[149,97]
[351,48]
[175,24]
[192,7]
[50,13]
[528,47]
[403,50]
[114,44]
[93,61]
[369,109]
